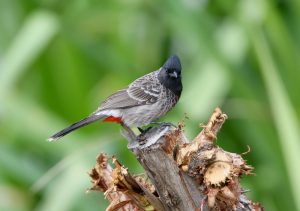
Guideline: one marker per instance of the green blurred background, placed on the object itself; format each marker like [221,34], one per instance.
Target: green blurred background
[60,59]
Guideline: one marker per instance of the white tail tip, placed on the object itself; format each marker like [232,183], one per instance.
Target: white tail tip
[52,139]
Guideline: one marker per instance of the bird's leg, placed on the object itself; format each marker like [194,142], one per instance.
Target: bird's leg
[164,123]
[129,133]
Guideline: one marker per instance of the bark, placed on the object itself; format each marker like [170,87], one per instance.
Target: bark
[196,175]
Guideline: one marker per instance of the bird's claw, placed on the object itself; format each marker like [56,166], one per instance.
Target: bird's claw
[144,130]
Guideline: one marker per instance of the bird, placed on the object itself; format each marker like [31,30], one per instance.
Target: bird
[142,102]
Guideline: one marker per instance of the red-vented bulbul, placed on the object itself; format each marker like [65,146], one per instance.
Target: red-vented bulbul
[143,101]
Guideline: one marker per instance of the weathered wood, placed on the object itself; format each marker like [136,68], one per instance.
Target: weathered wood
[175,188]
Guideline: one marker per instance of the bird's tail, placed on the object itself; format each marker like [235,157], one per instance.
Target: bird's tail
[81,123]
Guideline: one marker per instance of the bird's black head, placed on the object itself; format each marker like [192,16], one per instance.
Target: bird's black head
[170,75]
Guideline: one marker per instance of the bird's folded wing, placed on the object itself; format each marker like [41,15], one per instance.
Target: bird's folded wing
[140,92]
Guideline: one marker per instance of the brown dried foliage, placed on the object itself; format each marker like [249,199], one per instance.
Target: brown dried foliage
[122,190]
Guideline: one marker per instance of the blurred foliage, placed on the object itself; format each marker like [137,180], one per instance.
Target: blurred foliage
[59,59]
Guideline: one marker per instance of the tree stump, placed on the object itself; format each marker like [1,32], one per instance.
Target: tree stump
[196,175]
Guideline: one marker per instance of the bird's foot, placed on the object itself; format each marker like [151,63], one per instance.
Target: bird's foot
[144,130]
[164,124]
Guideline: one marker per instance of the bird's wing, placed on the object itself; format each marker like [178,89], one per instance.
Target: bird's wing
[144,90]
